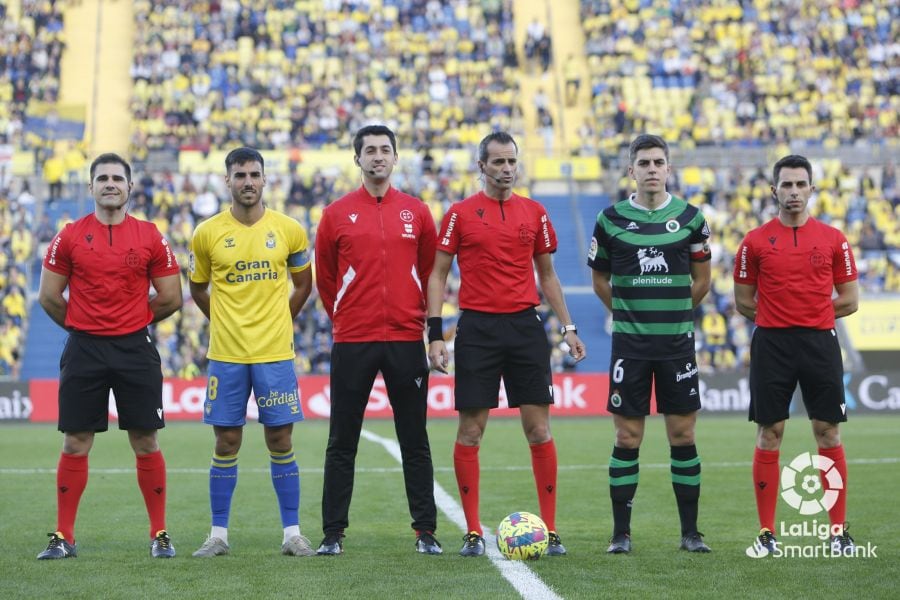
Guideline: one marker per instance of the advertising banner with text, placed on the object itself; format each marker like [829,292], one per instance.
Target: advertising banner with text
[575,394]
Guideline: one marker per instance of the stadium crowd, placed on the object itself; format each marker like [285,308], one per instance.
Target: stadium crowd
[755,72]
[209,75]
[271,75]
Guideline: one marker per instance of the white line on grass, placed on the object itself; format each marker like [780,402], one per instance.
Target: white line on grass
[523,579]
[890,460]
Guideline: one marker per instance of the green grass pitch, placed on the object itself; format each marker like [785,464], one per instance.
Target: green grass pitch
[379,559]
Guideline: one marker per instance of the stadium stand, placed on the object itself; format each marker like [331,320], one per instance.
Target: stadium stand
[30,53]
[749,73]
[298,78]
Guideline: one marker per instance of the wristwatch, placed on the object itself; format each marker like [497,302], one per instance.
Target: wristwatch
[567,328]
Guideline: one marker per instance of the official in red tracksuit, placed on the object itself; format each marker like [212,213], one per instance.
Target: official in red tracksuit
[500,239]
[374,253]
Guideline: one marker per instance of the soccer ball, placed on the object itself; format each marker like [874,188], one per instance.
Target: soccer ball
[522,536]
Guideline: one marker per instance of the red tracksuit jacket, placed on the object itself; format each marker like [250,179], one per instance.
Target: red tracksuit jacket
[373,259]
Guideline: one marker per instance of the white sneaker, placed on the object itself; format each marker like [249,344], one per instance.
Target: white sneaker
[297,546]
[213,546]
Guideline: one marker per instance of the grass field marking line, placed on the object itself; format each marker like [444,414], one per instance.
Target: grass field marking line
[887,460]
[523,579]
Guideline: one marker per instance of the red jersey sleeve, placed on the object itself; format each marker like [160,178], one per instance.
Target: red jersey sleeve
[162,258]
[746,268]
[545,242]
[427,244]
[844,265]
[326,264]
[58,257]
[448,238]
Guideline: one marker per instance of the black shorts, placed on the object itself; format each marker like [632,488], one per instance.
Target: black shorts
[91,366]
[782,358]
[677,384]
[512,346]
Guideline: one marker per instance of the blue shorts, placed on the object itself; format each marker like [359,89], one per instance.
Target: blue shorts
[274,387]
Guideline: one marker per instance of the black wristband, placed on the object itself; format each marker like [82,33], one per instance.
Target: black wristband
[435,329]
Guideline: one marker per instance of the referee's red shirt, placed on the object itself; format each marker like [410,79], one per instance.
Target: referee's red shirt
[794,270]
[109,269]
[495,243]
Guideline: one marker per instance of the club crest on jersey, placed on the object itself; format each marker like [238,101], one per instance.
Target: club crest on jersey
[672,225]
[526,236]
[652,260]
[406,216]
[270,240]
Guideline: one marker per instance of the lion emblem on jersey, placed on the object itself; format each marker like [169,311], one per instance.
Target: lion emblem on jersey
[652,260]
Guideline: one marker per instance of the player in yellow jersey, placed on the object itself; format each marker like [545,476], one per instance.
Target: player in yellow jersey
[248,253]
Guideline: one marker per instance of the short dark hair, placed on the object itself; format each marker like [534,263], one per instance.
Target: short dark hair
[501,137]
[645,141]
[240,156]
[110,158]
[792,161]
[373,130]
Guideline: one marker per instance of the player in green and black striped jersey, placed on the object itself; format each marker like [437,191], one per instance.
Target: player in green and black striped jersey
[650,264]
[649,256]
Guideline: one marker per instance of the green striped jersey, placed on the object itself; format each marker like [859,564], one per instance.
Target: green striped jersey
[648,254]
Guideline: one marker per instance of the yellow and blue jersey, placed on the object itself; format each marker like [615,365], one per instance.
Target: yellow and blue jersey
[249,269]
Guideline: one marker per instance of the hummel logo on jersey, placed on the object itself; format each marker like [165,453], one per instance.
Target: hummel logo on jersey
[354,216]
[418,382]
[772,240]
[229,242]
[480,213]
[632,226]
[159,413]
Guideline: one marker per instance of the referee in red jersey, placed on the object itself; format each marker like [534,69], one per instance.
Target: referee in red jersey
[500,238]
[374,252]
[786,273]
[108,260]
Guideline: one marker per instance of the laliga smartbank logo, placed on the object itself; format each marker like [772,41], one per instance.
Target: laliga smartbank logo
[810,484]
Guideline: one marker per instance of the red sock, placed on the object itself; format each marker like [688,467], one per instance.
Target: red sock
[151,476]
[765,483]
[543,464]
[71,479]
[465,462]
[838,513]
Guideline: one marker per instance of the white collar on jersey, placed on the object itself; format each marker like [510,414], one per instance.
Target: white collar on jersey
[633,201]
